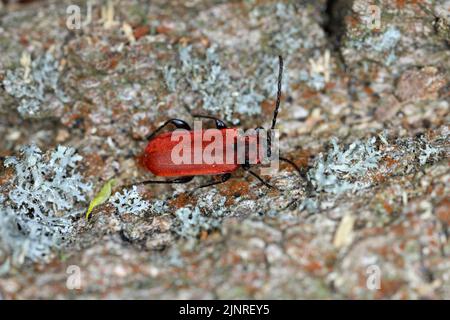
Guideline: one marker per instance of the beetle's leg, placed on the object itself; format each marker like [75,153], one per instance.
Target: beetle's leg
[223,178]
[309,186]
[219,123]
[292,163]
[268,185]
[247,168]
[180,124]
[177,180]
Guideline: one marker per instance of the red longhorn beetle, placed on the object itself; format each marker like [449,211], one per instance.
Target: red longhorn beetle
[157,155]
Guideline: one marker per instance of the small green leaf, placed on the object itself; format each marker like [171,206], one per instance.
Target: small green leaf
[102,196]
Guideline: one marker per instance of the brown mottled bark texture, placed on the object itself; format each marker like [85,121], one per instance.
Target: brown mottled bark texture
[365,114]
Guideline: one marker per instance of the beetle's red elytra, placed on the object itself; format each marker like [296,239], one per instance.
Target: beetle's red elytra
[158,155]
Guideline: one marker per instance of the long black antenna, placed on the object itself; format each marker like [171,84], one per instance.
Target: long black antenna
[277,106]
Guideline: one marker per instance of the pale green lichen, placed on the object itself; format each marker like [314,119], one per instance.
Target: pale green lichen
[129,201]
[43,200]
[207,215]
[342,168]
[191,221]
[220,94]
[37,88]
[428,152]
[288,28]
[309,204]
[384,43]
[380,43]
[314,80]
